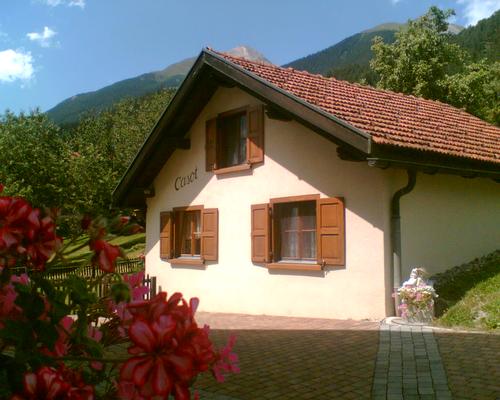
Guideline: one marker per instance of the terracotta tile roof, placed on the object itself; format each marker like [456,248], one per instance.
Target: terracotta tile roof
[390,118]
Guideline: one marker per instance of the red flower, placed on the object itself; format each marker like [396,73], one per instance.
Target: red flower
[168,347]
[61,346]
[8,308]
[25,235]
[105,254]
[51,384]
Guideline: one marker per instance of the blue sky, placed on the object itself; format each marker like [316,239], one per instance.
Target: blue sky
[53,49]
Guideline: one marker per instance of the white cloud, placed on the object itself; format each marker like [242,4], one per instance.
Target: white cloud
[69,3]
[15,65]
[394,2]
[476,10]
[43,38]
[77,3]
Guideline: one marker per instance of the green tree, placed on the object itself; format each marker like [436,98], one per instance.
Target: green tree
[34,159]
[424,61]
[477,90]
[106,143]
[420,59]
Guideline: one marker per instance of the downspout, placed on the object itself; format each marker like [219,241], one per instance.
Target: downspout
[396,234]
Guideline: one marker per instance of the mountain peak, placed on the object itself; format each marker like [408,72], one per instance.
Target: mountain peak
[248,53]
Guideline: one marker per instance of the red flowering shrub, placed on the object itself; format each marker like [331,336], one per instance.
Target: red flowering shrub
[47,354]
[51,384]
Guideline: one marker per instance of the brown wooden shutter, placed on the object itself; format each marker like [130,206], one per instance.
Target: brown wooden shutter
[331,231]
[260,233]
[166,235]
[209,234]
[255,143]
[211,144]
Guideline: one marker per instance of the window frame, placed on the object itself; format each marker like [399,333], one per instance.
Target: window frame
[254,140]
[178,257]
[218,151]
[276,235]
[330,233]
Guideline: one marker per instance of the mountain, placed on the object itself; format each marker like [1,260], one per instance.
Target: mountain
[483,39]
[349,59]
[353,50]
[72,109]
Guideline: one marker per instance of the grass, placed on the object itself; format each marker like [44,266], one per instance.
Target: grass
[133,245]
[470,294]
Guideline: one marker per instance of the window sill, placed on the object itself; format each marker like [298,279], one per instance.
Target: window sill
[187,261]
[295,266]
[234,168]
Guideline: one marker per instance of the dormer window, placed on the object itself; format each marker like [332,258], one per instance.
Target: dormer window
[232,140]
[235,140]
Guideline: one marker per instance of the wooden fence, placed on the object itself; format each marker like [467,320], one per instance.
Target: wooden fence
[92,272]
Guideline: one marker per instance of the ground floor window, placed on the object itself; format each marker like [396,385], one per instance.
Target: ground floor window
[189,235]
[296,228]
[189,232]
[299,232]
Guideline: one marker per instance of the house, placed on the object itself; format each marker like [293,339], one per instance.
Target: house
[274,191]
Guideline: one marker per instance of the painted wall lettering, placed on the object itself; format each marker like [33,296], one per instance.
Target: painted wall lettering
[182,181]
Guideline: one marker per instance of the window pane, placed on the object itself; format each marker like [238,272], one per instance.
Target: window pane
[289,245]
[233,134]
[289,216]
[186,233]
[297,227]
[308,215]
[309,245]
[197,232]
[243,139]
[190,233]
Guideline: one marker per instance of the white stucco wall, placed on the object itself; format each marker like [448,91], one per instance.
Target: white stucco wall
[448,220]
[297,162]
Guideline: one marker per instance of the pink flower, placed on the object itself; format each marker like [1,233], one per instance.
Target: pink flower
[135,282]
[227,361]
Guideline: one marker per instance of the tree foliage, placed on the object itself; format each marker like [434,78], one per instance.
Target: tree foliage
[421,57]
[75,168]
[424,61]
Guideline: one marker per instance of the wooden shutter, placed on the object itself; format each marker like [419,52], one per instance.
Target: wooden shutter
[331,231]
[260,233]
[255,142]
[209,234]
[166,235]
[211,144]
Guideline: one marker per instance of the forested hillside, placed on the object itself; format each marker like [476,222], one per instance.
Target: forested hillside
[483,39]
[354,50]
[74,108]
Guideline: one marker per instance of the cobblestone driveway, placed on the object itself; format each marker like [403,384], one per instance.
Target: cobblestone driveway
[472,363]
[294,358]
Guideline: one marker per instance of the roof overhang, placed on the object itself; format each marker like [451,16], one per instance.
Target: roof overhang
[211,71]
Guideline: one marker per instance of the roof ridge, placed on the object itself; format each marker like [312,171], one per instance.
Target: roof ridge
[350,84]
[391,118]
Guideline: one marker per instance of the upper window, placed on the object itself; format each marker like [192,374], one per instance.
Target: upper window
[189,235]
[235,140]
[301,232]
